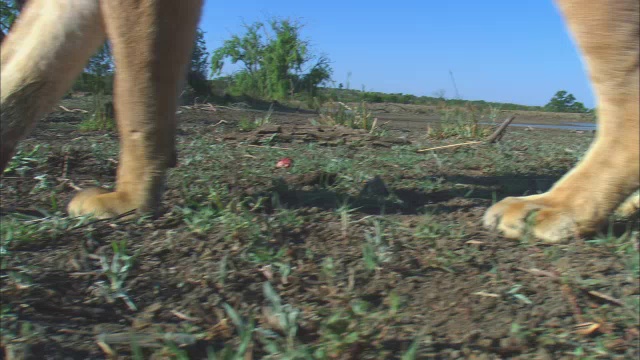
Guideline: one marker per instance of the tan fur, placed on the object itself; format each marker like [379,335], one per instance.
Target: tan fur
[152,41]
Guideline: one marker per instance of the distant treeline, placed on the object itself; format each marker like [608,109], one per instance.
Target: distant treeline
[88,82]
[219,92]
[350,95]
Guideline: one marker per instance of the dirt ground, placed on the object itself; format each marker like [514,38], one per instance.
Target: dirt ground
[362,249]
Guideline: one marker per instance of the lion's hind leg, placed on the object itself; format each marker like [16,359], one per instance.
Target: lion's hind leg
[41,56]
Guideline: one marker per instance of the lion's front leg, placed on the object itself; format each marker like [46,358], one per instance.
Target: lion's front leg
[608,34]
[151,43]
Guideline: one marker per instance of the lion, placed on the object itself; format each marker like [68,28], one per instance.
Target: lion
[152,41]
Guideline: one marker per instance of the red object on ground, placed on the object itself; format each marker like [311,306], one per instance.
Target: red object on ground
[284,163]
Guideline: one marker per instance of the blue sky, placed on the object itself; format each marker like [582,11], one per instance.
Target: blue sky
[501,50]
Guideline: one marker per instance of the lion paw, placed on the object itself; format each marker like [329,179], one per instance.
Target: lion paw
[516,217]
[100,203]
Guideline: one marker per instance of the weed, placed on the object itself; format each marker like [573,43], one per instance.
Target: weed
[24,228]
[103,150]
[100,117]
[375,250]
[412,351]
[285,318]
[515,293]
[231,213]
[328,269]
[359,323]
[338,113]
[431,228]
[461,122]
[25,160]
[625,247]
[116,270]
[246,124]
[200,220]
[245,330]
[223,270]
[42,184]
[344,211]
[7,317]
[264,255]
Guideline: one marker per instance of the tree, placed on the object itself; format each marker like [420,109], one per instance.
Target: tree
[563,101]
[276,61]
[199,55]
[197,78]
[97,76]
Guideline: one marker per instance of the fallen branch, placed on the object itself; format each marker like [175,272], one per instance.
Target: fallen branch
[497,135]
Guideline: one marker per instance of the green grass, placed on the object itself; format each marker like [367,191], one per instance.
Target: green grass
[265,236]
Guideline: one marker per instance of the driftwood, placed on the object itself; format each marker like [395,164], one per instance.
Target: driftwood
[495,137]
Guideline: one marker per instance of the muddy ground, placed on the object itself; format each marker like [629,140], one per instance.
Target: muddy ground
[362,249]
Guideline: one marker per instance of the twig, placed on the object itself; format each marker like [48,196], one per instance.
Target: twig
[146,339]
[573,302]
[486,294]
[236,107]
[182,316]
[207,107]
[269,147]
[451,146]
[69,183]
[130,212]
[538,272]
[65,165]
[605,297]
[219,122]
[72,110]
[497,135]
